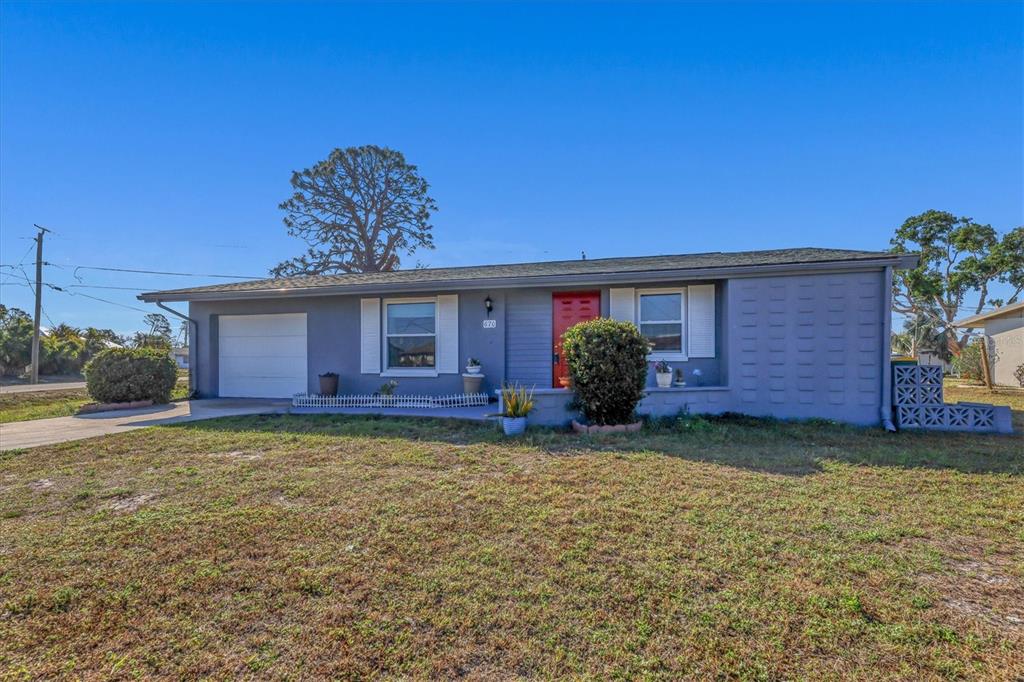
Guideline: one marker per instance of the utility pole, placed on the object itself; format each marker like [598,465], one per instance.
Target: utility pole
[39,303]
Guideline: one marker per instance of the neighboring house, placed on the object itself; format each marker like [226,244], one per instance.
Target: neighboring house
[180,356]
[1003,330]
[932,357]
[792,333]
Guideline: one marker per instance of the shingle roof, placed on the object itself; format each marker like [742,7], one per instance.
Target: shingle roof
[528,271]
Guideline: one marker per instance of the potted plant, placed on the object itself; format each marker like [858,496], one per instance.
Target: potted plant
[663,372]
[516,403]
[472,366]
[679,380]
[329,383]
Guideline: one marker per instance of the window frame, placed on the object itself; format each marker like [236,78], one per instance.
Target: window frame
[655,355]
[388,371]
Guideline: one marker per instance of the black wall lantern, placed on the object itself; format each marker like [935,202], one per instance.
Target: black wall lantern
[489,305]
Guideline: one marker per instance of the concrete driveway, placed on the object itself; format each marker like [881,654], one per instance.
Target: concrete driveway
[29,434]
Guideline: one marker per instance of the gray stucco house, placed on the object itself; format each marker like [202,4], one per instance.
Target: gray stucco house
[793,333]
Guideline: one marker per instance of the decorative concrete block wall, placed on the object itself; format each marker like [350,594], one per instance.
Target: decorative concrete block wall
[808,346]
[918,401]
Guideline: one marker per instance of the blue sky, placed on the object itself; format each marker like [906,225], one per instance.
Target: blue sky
[162,136]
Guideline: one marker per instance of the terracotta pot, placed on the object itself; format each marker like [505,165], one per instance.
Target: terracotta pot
[328,384]
[471,383]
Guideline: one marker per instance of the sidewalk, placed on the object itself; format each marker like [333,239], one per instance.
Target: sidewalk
[37,388]
[29,434]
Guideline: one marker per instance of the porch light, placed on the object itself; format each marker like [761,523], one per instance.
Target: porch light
[489,305]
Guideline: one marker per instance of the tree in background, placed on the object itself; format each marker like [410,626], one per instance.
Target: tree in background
[158,335]
[181,338]
[358,210]
[97,340]
[15,340]
[61,351]
[64,349]
[158,325]
[958,257]
[921,332]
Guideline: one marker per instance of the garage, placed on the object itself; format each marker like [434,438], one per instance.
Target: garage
[262,356]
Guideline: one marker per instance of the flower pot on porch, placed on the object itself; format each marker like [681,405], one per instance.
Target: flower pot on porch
[664,379]
[513,426]
[329,384]
[471,382]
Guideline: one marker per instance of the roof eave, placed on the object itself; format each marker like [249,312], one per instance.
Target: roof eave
[975,321]
[901,261]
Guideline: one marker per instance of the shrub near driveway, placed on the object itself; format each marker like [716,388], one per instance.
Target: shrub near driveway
[121,375]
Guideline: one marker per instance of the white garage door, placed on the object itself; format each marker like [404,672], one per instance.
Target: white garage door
[262,356]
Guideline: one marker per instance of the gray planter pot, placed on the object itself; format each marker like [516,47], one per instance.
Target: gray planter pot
[513,426]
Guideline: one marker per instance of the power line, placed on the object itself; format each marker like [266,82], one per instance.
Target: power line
[103,300]
[159,272]
[98,286]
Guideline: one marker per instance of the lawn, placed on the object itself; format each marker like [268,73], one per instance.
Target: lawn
[962,390]
[319,546]
[17,407]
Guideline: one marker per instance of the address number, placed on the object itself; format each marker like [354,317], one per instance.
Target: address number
[490,324]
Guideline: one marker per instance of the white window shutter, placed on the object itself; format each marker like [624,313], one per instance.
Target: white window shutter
[448,334]
[621,304]
[369,336]
[700,323]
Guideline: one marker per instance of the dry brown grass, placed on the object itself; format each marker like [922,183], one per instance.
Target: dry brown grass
[305,547]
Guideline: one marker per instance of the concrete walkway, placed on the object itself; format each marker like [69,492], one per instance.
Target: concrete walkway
[29,434]
[36,388]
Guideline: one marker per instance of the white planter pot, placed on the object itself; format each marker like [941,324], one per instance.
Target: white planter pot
[473,370]
[664,379]
[513,426]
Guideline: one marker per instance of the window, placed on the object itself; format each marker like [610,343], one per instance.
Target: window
[410,331]
[660,315]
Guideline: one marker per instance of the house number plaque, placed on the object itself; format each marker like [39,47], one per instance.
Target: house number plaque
[490,324]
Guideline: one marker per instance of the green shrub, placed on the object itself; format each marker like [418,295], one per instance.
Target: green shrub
[968,363]
[608,368]
[119,375]
[15,340]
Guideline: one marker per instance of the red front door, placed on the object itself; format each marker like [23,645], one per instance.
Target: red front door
[568,309]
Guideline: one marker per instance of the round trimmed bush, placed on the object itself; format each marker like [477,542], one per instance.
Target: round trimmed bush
[608,368]
[119,375]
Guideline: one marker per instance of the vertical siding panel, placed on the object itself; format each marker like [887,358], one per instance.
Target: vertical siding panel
[528,341]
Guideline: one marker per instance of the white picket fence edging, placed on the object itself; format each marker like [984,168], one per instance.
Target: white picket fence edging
[377,400]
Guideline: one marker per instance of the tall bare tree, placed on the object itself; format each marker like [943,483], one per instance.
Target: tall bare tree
[359,210]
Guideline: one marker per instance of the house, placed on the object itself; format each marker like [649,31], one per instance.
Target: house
[180,356]
[1003,331]
[791,333]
